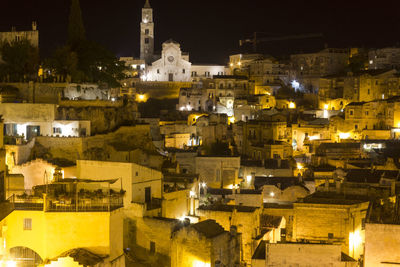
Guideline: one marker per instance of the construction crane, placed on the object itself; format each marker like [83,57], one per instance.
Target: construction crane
[256,39]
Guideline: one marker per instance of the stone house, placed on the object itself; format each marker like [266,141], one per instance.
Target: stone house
[205,244]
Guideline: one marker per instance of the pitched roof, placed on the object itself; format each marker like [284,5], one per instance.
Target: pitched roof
[283,182]
[209,228]
[260,252]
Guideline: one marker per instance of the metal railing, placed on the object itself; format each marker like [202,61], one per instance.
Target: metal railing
[54,204]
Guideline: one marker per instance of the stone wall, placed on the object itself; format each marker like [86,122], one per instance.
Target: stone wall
[161,90]
[104,116]
[127,144]
[382,244]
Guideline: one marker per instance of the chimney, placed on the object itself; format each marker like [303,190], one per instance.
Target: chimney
[13,29]
[34,26]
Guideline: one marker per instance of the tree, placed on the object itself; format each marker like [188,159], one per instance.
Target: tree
[76,30]
[20,60]
[64,62]
[82,60]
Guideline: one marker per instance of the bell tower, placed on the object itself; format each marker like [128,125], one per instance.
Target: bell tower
[147,34]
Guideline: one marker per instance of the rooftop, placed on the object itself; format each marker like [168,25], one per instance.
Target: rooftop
[209,228]
[228,208]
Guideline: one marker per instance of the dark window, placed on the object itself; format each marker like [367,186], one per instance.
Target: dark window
[351,112]
[147,194]
[146,31]
[152,247]
[330,235]
[146,40]
[183,71]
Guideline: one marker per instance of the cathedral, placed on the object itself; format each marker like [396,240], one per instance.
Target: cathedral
[172,65]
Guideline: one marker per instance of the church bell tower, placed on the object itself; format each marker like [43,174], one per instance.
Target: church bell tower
[147,34]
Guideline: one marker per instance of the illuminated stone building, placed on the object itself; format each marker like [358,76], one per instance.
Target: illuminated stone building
[216,94]
[332,218]
[32,36]
[205,244]
[308,68]
[384,58]
[301,254]
[57,222]
[30,120]
[245,219]
[172,65]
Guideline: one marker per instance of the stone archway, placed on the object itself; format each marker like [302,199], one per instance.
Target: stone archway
[25,257]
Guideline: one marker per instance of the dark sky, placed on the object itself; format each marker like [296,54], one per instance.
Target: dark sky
[210,29]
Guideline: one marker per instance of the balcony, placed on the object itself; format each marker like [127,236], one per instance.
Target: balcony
[67,203]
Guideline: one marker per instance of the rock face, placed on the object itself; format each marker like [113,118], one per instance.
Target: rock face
[127,144]
[104,116]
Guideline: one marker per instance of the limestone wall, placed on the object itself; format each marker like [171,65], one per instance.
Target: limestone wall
[281,254]
[161,90]
[175,204]
[382,244]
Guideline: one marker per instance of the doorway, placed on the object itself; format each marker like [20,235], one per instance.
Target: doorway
[147,194]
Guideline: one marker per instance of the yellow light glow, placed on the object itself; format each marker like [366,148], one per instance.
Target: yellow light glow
[355,241]
[272,194]
[299,166]
[292,105]
[344,135]
[192,194]
[141,98]
[398,124]
[248,178]
[314,137]
[231,64]
[232,119]
[239,63]
[10,263]
[326,106]
[197,263]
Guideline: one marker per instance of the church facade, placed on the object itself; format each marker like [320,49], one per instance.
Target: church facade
[172,65]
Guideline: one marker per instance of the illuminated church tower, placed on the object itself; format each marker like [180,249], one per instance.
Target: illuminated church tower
[147,34]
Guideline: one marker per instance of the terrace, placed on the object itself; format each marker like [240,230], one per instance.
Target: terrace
[71,195]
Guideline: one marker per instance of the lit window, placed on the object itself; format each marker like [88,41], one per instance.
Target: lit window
[27,224]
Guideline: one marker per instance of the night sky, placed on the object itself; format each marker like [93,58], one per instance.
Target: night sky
[209,30]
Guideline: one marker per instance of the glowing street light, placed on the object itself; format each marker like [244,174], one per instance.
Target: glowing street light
[295,85]
[292,105]
[299,166]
